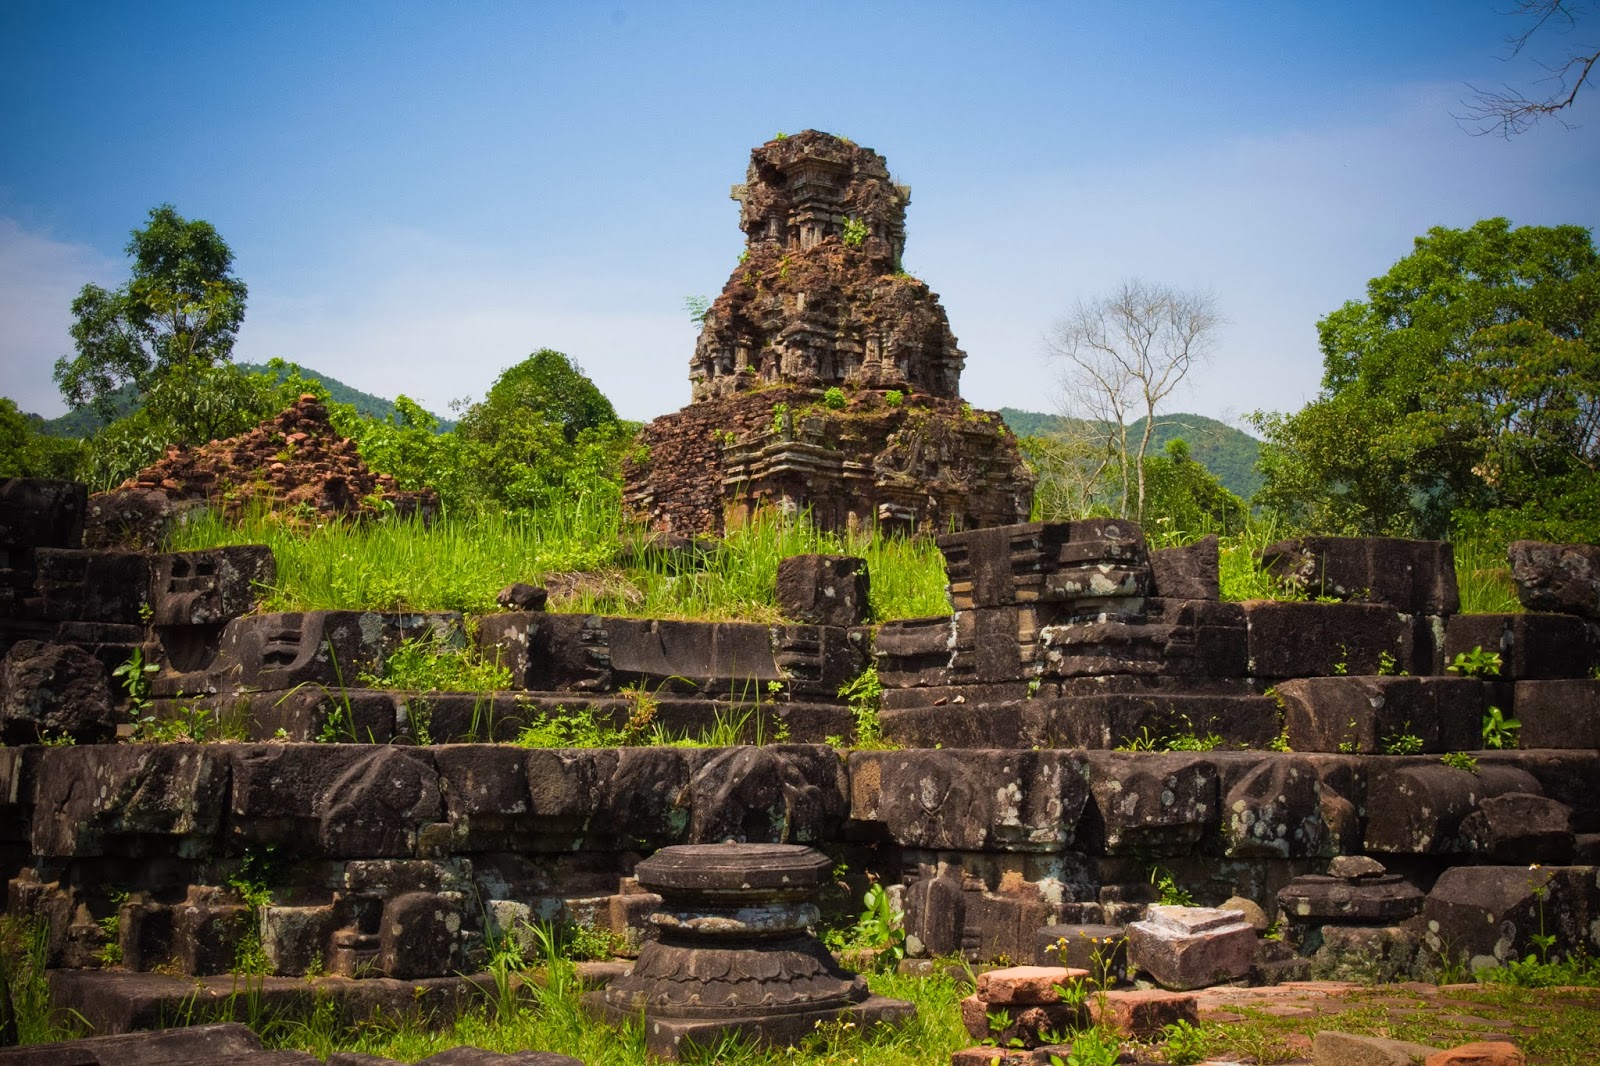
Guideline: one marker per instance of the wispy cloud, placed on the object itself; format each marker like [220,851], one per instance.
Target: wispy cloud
[39,276]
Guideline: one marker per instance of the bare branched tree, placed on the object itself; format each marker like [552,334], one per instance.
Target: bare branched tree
[1122,356]
[1509,111]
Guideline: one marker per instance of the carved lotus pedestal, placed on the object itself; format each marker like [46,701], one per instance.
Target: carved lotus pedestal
[735,955]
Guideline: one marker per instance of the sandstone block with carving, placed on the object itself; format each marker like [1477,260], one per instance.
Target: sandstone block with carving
[1184,948]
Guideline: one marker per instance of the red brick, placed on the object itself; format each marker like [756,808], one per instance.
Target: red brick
[1142,1013]
[1025,984]
[1482,1053]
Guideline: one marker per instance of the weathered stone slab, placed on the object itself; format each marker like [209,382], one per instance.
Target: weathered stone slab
[1558,714]
[1487,915]
[824,590]
[1117,720]
[1142,1014]
[1024,1025]
[54,692]
[1373,715]
[41,513]
[92,586]
[1026,985]
[209,587]
[1275,810]
[964,800]
[1532,647]
[1093,947]
[1185,948]
[1008,565]
[1557,577]
[1151,803]
[133,800]
[1192,572]
[1326,639]
[1517,827]
[778,794]
[1479,1053]
[1412,576]
[222,1042]
[1314,899]
[1417,806]
[915,651]
[1330,1047]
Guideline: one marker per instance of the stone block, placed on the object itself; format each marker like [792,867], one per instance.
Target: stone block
[1026,985]
[1532,647]
[1558,714]
[548,652]
[1370,715]
[420,935]
[54,691]
[1519,828]
[962,800]
[1019,1025]
[1565,775]
[1325,639]
[1142,1014]
[1151,803]
[1099,949]
[1274,811]
[193,1044]
[824,590]
[41,513]
[1314,899]
[208,932]
[915,652]
[1416,807]
[202,588]
[1116,720]
[962,725]
[1487,915]
[1192,572]
[1329,1047]
[645,804]
[486,797]
[816,661]
[1184,948]
[1557,577]
[1479,1053]
[128,800]
[92,586]
[295,939]
[1412,576]
[1006,565]
[775,794]
[519,596]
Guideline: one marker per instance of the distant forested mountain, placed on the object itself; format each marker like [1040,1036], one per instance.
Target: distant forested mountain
[85,423]
[1227,452]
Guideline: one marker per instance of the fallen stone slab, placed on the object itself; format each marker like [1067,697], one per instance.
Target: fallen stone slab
[1026,984]
[1480,1053]
[224,1042]
[1520,828]
[1333,1048]
[1183,948]
[1142,1014]
[1100,949]
[824,590]
[1488,915]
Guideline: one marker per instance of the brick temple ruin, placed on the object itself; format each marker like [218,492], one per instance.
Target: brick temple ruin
[1039,780]
[819,301]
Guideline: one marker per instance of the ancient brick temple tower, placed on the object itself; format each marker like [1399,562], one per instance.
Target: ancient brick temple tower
[819,302]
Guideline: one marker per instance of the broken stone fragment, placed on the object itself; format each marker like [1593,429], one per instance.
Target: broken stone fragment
[1184,948]
[1557,577]
[1350,867]
[518,596]
[1142,1014]
[824,590]
[54,692]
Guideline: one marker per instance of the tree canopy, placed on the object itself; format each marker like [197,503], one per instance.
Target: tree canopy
[180,306]
[1464,392]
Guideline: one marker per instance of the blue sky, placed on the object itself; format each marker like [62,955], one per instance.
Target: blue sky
[418,195]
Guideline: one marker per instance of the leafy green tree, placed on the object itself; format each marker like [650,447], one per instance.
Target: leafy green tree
[1463,393]
[1185,499]
[180,306]
[26,451]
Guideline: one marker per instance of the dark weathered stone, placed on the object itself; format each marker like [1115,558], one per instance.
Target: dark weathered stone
[420,935]
[734,953]
[204,588]
[1532,647]
[1516,827]
[471,1056]
[1487,915]
[1557,577]
[92,586]
[1412,576]
[1112,721]
[1025,1026]
[1313,899]
[1100,949]
[1325,639]
[1373,715]
[1094,559]
[1023,801]
[1192,572]
[137,800]
[546,652]
[824,590]
[137,519]
[41,513]
[1416,807]
[914,651]
[1334,1048]
[222,1042]
[486,795]
[52,692]
[518,596]
[767,795]
[1558,714]
[1275,811]
[1154,803]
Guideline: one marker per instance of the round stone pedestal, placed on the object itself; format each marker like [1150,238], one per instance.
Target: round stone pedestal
[735,953]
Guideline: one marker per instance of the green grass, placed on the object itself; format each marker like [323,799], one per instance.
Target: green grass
[462,563]
[1484,577]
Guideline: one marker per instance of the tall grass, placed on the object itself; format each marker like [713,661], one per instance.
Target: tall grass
[1484,577]
[461,563]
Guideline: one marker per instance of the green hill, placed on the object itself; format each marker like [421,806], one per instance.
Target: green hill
[1227,452]
[85,423]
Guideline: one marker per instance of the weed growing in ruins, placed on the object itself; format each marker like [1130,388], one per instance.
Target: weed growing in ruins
[135,675]
[855,232]
[1171,893]
[833,399]
[1185,1044]
[894,397]
[1476,663]
[111,929]
[1483,577]
[1499,731]
[1387,667]
[432,663]
[1403,743]
[865,694]
[1460,760]
[1189,739]
[24,956]
[1092,1047]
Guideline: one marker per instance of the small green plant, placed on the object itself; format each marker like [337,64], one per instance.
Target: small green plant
[111,929]
[1092,1047]
[1185,1043]
[1387,666]
[250,882]
[894,397]
[881,928]
[1403,743]
[864,693]
[833,399]
[698,307]
[135,675]
[779,412]
[744,256]
[781,136]
[1171,893]
[1476,663]
[432,663]
[1460,760]
[1280,742]
[1498,730]
[855,232]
